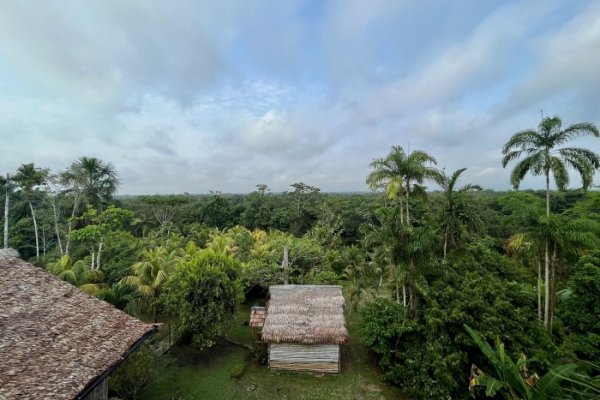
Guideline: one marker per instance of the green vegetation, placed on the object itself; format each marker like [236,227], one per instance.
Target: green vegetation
[520,268]
[207,374]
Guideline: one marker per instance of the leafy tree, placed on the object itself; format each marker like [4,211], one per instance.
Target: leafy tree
[304,213]
[216,212]
[97,226]
[544,156]
[29,178]
[426,352]
[580,309]
[256,212]
[202,294]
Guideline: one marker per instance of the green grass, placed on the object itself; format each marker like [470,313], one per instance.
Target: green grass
[206,374]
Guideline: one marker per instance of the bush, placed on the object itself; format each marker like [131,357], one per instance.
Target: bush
[237,371]
[139,370]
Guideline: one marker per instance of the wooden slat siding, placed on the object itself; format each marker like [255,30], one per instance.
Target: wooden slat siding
[296,357]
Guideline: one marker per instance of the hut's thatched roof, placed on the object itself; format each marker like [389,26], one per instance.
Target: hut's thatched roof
[305,314]
[56,342]
[257,316]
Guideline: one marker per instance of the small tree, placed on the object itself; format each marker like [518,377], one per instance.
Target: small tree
[202,294]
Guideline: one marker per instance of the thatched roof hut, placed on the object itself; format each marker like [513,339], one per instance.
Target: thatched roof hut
[305,327]
[257,317]
[57,342]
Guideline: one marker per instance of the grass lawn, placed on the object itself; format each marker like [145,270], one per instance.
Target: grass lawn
[205,374]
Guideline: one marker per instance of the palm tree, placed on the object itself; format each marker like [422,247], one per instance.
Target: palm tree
[151,273]
[96,180]
[28,177]
[119,295]
[544,155]
[458,215]
[78,274]
[396,172]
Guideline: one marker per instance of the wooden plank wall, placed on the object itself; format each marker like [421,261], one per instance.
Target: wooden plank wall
[297,357]
[100,392]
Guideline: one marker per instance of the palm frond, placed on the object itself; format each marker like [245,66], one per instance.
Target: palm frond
[549,383]
[561,175]
[577,130]
[528,164]
[521,140]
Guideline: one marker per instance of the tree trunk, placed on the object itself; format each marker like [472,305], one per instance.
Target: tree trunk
[93,257]
[75,205]
[445,244]
[285,265]
[547,259]
[35,229]
[98,257]
[547,288]
[44,241]
[553,287]
[55,213]
[404,303]
[6,204]
[401,209]
[539,290]
[407,201]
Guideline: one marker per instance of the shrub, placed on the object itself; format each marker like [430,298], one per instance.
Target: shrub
[138,371]
[237,371]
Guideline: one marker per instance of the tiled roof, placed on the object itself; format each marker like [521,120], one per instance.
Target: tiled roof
[54,339]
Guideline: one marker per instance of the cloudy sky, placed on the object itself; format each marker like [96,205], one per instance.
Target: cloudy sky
[221,95]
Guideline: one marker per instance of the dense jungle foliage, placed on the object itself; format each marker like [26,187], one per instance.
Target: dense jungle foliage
[419,267]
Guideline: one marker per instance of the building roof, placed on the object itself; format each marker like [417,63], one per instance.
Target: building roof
[257,316]
[56,342]
[305,314]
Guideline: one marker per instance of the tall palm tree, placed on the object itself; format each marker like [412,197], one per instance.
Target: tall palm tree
[544,154]
[96,180]
[398,171]
[458,214]
[28,177]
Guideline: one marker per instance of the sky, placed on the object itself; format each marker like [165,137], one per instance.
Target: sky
[194,96]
